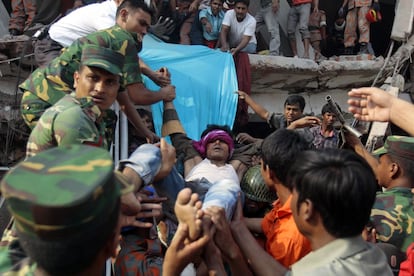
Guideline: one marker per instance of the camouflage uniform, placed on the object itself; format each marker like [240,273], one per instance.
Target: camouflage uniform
[72,120]
[69,121]
[393,217]
[45,86]
[22,15]
[393,210]
[76,191]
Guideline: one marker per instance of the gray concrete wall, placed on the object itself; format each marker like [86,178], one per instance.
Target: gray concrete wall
[4,20]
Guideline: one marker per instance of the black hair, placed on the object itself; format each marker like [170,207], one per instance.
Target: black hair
[341,186]
[134,5]
[213,127]
[280,149]
[143,112]
[327,108]
[74,253]
[246,2]
[295,99]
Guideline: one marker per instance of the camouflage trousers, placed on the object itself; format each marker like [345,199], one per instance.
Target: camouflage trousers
[23,12]
[356,16]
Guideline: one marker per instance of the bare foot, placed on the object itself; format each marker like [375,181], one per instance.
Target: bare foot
[188,210]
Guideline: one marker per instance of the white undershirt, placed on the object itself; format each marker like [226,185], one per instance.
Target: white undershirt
[247,27]
[83,21]
[211,172]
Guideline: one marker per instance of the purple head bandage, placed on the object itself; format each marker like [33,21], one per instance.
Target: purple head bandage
[217,134]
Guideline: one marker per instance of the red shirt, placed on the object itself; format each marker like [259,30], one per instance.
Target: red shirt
[300,2]
[283,240]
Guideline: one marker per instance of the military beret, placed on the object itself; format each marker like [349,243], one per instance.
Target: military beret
[62,190]
[402,146]
[104,58]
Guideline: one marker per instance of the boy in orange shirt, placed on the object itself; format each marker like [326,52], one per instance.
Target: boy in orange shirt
[284,242]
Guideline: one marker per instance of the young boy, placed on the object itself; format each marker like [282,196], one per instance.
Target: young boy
[211,19]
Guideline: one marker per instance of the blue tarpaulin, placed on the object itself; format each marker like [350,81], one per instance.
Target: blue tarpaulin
[205,81]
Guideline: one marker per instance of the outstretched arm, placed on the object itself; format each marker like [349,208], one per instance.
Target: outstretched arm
[374,104]
[258,109]
[260,262]
[180,253]
[160,77]
[139,94]
[243,43]
[225,242]
[135,118]
[223,38]
[354,142]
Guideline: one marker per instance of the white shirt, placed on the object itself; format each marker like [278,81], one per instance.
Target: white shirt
[83,21]
[211,172]
[239,29]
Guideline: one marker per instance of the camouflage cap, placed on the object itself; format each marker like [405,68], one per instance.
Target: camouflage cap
[402,146]
[104,58]
[255,188]
[62,190]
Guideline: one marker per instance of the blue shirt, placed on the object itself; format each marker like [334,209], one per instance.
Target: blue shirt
[215,22]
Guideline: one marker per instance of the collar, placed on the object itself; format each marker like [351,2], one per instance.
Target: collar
[338,249]
[87,102]
[134,35]
[331,133]
[282,210]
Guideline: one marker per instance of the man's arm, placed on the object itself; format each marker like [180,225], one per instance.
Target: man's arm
[225,242]
[254,225]
[243,43]
[374,104]
[307,121]
[260,262]
[257,108]
[160,77]
[356,144]
[135,118]
[139,94]
[223,37]
[315,5]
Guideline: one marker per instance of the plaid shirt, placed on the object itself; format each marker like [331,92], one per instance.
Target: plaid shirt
[322,142]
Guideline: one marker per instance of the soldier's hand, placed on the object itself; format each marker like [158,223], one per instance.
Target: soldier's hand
[161,77]
[168,93]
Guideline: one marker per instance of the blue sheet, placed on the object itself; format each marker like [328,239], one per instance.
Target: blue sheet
[205,81]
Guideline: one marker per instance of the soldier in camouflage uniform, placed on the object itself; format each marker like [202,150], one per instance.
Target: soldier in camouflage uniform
[393,210]
[59,171]
[73,208]
[45,86]
[78,118]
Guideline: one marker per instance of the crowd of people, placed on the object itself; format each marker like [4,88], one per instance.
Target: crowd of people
[306,199]
[222,24]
